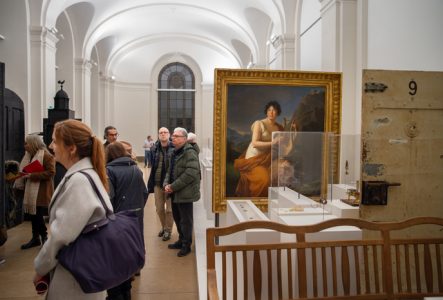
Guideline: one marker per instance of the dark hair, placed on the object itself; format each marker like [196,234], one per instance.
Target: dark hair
[105,133]
[115,150]
[73,132]
[275,105]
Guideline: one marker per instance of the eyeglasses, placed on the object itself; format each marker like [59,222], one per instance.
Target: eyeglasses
[113,134]
[177,136]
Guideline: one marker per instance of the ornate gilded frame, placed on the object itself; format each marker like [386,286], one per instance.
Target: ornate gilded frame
[332,83]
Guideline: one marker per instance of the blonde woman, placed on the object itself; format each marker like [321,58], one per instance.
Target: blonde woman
[38,187]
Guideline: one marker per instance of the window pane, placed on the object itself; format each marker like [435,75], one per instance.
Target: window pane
[176,108]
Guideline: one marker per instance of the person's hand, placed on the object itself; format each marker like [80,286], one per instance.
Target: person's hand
[36,278]
[276,139]
[25,175]
[41,283]
[168,189]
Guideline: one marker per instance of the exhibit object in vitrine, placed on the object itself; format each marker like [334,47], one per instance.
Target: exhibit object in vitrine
[308,178]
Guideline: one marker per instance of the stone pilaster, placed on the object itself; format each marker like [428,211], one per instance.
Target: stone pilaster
[42,69]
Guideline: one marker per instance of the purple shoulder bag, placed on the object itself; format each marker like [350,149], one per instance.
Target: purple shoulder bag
[107,252]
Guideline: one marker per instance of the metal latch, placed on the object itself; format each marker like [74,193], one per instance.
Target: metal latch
[374,87]
[376,192]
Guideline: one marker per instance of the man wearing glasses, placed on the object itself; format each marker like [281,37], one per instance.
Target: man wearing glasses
[182,182]
[110,135]
[160,156]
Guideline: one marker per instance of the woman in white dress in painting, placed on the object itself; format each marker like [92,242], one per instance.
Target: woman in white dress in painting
[255,163]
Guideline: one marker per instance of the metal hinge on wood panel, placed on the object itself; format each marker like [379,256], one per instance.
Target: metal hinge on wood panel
[375,87]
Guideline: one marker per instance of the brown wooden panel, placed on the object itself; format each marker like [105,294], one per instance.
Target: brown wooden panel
[289,259]
[428,269]
[257,275]
[269,264]
[314,272]
[376,270]
[245,275]
[417,268]
[439,267]
[407,269]
[345,273]
[234,275]
[334,271]
[366,267]
[224,290]
[323,270]
[357,269]
[279,275]
[377,262]
[398,267]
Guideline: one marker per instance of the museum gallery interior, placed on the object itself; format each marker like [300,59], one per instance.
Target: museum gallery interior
[304,110]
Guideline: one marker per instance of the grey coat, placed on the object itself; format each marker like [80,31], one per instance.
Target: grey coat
[184,175]
[67,218]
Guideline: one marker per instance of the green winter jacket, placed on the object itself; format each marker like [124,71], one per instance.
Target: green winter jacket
[184,175]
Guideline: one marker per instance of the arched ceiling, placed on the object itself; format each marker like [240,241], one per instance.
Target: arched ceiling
[135,33]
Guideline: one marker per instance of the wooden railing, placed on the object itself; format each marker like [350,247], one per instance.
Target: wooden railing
[390,266]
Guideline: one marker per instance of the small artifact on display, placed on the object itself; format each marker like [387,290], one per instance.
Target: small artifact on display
[353,197]
[297,208]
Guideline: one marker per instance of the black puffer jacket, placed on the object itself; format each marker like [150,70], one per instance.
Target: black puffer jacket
[155,157]
[127,189]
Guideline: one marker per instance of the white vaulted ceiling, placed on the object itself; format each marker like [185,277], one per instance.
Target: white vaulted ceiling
[130,36]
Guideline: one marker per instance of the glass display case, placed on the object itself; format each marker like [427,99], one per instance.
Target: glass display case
[344,189]
[314,173]
[299,174]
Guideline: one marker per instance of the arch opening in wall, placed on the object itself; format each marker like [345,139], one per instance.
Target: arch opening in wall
[176,97]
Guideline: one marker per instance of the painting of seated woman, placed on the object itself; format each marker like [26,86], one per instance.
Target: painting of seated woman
[267,110]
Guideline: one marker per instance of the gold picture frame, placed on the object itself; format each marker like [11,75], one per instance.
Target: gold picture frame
[239,96]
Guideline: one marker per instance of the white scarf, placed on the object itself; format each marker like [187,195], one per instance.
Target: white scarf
[31,187]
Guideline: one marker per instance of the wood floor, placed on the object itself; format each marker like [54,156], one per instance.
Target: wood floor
[165,276]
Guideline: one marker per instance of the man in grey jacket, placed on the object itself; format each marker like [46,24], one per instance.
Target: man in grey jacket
[182,182]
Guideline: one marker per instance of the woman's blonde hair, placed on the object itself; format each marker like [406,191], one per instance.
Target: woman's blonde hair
[35,143]
[73,132]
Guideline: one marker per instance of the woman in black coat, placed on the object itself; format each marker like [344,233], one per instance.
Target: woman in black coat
[127,191]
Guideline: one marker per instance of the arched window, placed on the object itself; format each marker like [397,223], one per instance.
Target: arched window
[176,97]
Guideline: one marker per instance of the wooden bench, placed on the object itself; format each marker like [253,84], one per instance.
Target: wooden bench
[402,261]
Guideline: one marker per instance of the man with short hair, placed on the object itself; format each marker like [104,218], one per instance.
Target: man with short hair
[182,182]
[110,135]
[161,153]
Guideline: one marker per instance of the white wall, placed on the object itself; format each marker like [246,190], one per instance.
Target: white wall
[310,36]
[132,107]
[65,58]
[14,48]
[405,35]
[310,49]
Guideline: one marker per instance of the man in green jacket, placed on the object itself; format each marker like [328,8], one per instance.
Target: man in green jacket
[182,182]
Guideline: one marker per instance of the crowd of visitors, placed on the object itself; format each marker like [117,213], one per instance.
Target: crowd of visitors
[98,178]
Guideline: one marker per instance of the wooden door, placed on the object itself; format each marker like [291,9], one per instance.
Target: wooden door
[402,142]
[2,147]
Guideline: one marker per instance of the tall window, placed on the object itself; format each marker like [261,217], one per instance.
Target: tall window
[176,97]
